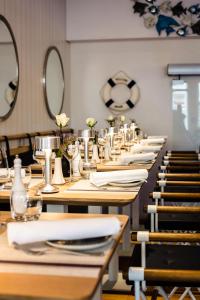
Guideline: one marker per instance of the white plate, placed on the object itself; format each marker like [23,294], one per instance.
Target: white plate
[81,245]
[126,184]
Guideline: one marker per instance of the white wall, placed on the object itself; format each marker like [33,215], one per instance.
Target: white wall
[107,19]
[106,37]
[92,63]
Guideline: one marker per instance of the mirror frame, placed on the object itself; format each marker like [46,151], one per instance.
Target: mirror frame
[7,24]
[51,48]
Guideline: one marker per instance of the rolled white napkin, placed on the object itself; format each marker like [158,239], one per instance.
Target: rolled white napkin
[103,178]
[152,141]
[128,158]
[71,229]
[137,148]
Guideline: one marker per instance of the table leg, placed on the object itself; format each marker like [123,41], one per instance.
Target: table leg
[113,210]
[113,267]
[135,210]
[56,208]
[98,293]
[125,210]
[95,209]
[126,236]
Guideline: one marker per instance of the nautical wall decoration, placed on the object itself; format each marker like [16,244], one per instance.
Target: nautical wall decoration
[118,104]
[169,17]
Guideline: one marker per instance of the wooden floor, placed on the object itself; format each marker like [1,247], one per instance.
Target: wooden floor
[117,297]
[128,297]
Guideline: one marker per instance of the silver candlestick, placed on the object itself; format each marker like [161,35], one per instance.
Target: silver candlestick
[87,165]
[47,144]
[86,135]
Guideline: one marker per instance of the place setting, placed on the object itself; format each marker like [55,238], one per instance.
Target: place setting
[59,241]
[130,159]
[123,181]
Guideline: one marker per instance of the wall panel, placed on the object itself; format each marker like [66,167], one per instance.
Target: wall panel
[37,24]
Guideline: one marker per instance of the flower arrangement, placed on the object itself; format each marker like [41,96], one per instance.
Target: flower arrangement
[61,121]
[91,122]
[111,120]
[122,119]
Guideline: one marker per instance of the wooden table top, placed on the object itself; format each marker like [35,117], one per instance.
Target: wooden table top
[64,197]
[24,281]
[135,166]
[98,198]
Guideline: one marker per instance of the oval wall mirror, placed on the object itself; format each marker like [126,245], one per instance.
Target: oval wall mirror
[9,74]
[53,82]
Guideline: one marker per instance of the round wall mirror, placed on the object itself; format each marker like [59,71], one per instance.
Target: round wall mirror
[53,82]
[9,72]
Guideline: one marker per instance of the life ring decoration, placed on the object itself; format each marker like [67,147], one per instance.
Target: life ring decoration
[10,92]
[120,78]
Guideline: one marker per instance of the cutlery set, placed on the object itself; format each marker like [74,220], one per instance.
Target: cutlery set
[32,249]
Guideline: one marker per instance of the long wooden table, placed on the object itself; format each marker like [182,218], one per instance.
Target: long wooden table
[65,197]
[126,202]
[71,281]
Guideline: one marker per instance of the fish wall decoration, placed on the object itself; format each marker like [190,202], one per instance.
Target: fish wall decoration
[169,16]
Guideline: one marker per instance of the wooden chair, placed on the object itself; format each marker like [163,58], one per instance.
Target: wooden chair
[158,261]
[180,169]
[181,157]
[181,218]
[177,186]
[22,145]
[177,162]
[179,176]
[182,153]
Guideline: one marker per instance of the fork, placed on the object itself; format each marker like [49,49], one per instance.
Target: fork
[26,249]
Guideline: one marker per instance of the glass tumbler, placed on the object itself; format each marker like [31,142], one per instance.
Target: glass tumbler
[87,168]
[25,207]
[33,207]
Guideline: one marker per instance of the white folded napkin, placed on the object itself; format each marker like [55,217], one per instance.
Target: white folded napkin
[157,137]
[23,172]
[141,157]
[103,178]
[137,148]
[152,141]
[4,172]
[68,229]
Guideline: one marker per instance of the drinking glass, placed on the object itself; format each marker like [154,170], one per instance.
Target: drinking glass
[88,167]
[71,152]
[39,157]
[33,207]
[101,144]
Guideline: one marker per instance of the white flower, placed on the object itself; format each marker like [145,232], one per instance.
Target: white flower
[62,120]
[91,122]
[122,118]
[110,118]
